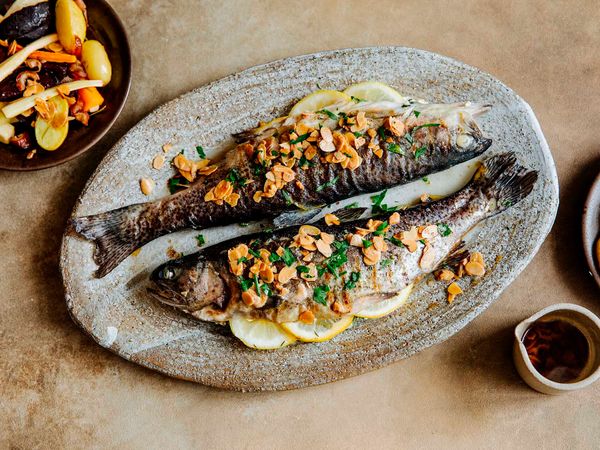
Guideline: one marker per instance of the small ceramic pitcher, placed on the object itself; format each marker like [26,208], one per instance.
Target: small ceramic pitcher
[587,322]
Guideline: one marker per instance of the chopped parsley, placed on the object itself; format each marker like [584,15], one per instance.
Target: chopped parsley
[256,285]
[328,184]
[300,138]
[201,240]
[177,183]
[425,125]
[287,196]
[243,224]
[302,269]
[444,229]
[274,257]
[305,162]
[336,260]
[366,243]
[320,294]
[395,148]
[351,283]
[425,180]
[378,206]
[351,205]
[416,113]
[381,228]
[356,99]
[200,151]
[331,115]
[235,178]
[420,152]
[397,242]
[245,284]
[358,134]
[381,132]
[254,253]
[266,289]
[288,257]
[385,262]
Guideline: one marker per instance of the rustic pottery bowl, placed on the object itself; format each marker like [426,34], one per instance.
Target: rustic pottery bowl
[591,229]
[106,27]
[587,322]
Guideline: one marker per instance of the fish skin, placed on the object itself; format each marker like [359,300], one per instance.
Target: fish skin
[118,233]
[500,183]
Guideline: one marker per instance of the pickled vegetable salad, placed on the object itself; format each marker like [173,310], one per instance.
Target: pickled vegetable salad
[50,74]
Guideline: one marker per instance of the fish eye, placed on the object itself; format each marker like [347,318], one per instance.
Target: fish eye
[168,273]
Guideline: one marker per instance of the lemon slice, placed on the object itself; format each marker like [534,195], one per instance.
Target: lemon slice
[318,331]
[260,334]
[318,100]
[387,306]
[373,91]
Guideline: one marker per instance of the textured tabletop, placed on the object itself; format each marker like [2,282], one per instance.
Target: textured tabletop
[58,389]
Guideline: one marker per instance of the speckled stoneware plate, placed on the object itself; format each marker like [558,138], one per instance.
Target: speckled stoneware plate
[119,315]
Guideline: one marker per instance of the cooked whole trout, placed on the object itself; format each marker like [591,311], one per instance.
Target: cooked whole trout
[297,163]
[306,272]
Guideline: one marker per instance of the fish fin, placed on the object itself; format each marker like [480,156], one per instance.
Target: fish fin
[456,255]
[296,217]
[349,214]
[112,235]
[504,181]
[247,135]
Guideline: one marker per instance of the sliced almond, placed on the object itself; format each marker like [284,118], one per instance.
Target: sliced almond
[158,162]
[427,258]
[444,275]
[475,269]
[286,274]
[332,219]
[326,134]
[454,289]
[324,248]
[147,186]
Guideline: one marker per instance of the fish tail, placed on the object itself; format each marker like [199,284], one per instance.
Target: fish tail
[115,233]
[504,181]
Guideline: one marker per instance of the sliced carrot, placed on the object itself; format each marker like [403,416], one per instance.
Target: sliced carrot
[54,57]
[91,98]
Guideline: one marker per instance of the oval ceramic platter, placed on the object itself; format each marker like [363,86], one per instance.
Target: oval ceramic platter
[119,315]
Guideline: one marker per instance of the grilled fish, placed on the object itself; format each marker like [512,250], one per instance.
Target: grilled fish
[306,273]
[297,163]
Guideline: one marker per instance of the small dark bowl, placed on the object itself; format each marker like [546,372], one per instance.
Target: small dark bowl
[106,27]
[591,228]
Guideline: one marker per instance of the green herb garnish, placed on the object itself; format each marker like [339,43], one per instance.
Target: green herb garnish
[381,132]
[274,257]
[366,243]
[254,253]
[303,269]
[320,294]
[395,148]
[245,284]
[416,113]
[397,242]
[356,99]
[235,178]
[328,184]
[243,224]
[444,229]
[287,196]
[200,151]
[385,262]
[351,283]
[201,240]
[303,162]
[378,205]
[300,138]
[177,183]
[381,228]
[358,134]
[420,152]
[288,257]
[351,205]
[425,125]
[329,113]
[425,180]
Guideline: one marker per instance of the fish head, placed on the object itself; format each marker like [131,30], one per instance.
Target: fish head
[189,283]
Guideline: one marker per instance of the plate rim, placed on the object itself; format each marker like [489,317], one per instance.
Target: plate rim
[434,338]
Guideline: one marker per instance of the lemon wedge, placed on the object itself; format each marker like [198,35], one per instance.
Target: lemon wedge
[318,331]
[318,100]
[260,334]
[374,91]
[386,307]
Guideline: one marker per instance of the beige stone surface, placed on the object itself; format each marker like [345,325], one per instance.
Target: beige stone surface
[58,389]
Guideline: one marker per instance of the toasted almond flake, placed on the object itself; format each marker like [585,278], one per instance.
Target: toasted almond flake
[267,275]
[475,269]
[63,90]
[429,232]
[324,248]
[331,219]
[444,275]
[361,120]
[286,274]
[232,199]
[55,47]
[394,219]
[424,198]
[158,162]
[454,289]
[369,261]
[33,89]
[31,154]
[311,230]
[451,297]
[410,244]
[327,238]
[327,146]
[306,317]
[257,197]
[372,253]
[477,257]
[167,147]
[326,134]
[308,257]
[379,243]
[427,258]
[146,185]
[356,240]
[250,297]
